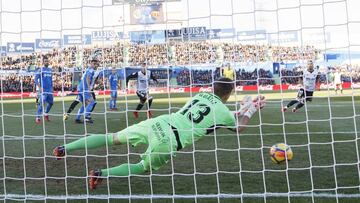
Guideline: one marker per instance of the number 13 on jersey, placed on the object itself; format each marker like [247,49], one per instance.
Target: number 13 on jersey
[198,111]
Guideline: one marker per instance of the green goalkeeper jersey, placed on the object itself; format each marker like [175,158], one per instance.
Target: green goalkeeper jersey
[200,116]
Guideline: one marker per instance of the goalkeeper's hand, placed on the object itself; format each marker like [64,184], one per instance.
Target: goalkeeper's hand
[250,106]
[244,105]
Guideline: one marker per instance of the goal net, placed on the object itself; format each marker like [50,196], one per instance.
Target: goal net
[264,44]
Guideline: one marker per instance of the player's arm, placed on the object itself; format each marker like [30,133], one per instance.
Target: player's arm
[131,76]
[88,82]
[241,124]
[37,80]
[95,77]
[119,84]
[248,108]
[109,80]
[35,83]
[318,74]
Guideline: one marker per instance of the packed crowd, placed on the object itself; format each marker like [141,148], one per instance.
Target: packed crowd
[66,81]
[201,77]
[13,83]
[179,53]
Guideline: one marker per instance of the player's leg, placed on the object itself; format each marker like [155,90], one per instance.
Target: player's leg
[39,109]
[299,98]
[89,107]
[153,159]
[150,100]
[111,101]
[336,88]
[136,134]
[341,88]
[114,100]
[89,142]
[81,109]
[50,102]
[141,103]
[95,102]
[291,103]
[300,105]
[79,113]
[142,98]
[96,176]
[308,98]
[72,106]
[159,152]
[37,98]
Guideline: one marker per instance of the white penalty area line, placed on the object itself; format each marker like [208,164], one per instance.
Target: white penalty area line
[167,196]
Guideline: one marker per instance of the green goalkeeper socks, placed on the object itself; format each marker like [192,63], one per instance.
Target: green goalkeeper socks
[124,170]
[90,142]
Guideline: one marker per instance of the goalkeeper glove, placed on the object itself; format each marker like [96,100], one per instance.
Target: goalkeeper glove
[255,105]
[244,105]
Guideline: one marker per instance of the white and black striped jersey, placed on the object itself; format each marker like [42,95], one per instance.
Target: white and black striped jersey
[142,79]
[309,80]
[337,78]
[96,77]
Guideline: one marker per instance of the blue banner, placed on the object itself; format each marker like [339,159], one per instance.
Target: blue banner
[220,33]
[194,33]
[289,36]
[106,35]
[251,35]
[328,57]
[151,36]
[173,34]
[19,47]
[77,40]
[3,50]
[48,43]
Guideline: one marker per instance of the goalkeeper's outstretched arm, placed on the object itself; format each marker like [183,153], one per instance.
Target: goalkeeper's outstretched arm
[248,108]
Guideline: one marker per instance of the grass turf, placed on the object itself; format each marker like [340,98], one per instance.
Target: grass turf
[324,141]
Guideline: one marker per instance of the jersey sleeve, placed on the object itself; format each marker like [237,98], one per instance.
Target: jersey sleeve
[229,118]
[131,76]
[37,77]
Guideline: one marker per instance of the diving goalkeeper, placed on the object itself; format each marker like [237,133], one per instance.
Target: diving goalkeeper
[167,134]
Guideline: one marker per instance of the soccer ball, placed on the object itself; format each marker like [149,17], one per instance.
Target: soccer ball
[281,152]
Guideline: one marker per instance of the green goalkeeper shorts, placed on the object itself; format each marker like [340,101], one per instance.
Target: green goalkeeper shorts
[157,133]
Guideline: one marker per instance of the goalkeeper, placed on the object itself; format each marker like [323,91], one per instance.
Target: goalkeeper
[167,134]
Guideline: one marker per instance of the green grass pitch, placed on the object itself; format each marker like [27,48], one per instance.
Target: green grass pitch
[324,140]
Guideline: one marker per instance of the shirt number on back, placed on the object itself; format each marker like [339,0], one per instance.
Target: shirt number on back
[198,116]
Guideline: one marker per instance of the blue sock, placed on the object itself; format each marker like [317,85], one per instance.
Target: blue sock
[80,112]
[48,107]
[39,110]
[110,104]
[114,103]
[89,109]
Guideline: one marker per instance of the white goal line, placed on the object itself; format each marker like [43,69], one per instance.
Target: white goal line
[183,196]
